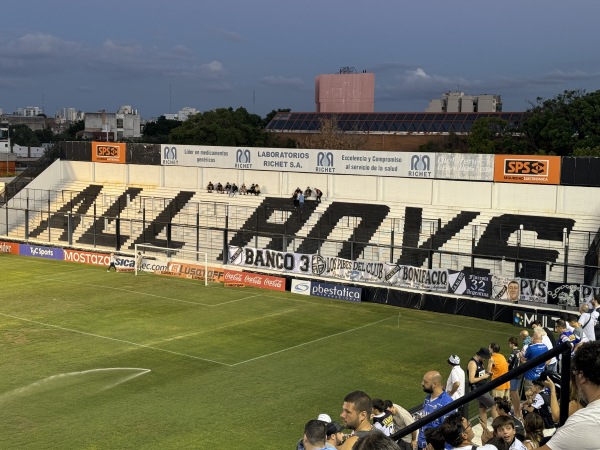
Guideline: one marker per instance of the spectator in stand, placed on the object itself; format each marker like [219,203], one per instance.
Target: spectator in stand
[504,426]
[227,187]
[575,401]
[548,341]
[435,439]
[538,402]
[335,437]
[210,187]
[504,407]
[435,399]
[535,349]
[402,419]
[586,319]
[567,336]
[534,431]
[319,194]
[356,416]
[458,433]
[580,430]
[498,366]
[307,192]
[256,189]
[455,385]
[526,339]
[301,201]
[219,187]
[375,441]
[515,383]
[538,323]
[233,190]
[314,435]
[382,418]
[477,378]
[577,328]
[251,189]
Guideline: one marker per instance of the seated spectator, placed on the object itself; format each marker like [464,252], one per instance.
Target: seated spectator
[538,402]
[503,407]
[458,433]
[243,189]
[234,189]
[435,439]
[210,187]
[375,441]
[534,431]
[504,426]
[256,189]
[227,187]
[307,192]
[251,190]
[219,188]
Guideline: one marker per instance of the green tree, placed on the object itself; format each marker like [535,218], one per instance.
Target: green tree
[158,132]
[24,136]
[565,123]
[494,135]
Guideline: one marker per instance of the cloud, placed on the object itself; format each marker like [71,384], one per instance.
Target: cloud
[280,81]
[229,35]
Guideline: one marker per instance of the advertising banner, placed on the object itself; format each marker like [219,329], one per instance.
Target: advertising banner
[9,247]
[41,252]
[531,169]
[523,319]
[96,259]
[108,152]
[254,280]
[193,271]
[300,286]
[339,292]
[344,162]
[506,288]
[461,166]
[465,283]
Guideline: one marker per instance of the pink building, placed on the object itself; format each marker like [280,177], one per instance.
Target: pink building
[345,93]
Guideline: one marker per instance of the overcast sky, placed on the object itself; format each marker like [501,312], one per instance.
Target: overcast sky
[159,56]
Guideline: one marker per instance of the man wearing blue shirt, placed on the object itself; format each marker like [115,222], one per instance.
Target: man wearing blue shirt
[435,399]
[536,348]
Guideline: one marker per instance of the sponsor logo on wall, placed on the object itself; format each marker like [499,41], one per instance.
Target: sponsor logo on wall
[420,166]
[193,271]
[255,280]
[169,155]
[523,319]
[41,252]
[527,169]
[270,259]
[9,247]
[96,259]
[243,159]
[108,152]
[300,286]
[339,292]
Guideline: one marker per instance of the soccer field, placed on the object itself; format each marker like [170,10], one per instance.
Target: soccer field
[96,360]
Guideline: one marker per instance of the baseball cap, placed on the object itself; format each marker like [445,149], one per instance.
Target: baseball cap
[334,427]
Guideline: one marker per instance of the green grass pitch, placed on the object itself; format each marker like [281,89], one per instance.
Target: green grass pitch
[96,360]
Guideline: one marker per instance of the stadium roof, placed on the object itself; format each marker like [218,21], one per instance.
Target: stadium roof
[423,122]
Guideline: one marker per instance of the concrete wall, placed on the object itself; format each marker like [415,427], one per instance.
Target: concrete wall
[518,198]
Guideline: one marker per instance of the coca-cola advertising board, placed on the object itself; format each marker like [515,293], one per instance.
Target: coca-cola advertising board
[255,280]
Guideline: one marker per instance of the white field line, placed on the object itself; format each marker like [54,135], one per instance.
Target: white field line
[115,339]
[311,342]
[229,325]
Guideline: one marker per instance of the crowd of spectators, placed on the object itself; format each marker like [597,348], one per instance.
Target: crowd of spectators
[231,189]
[520,412]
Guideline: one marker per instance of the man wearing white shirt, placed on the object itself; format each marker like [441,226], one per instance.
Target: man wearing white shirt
[455,386]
